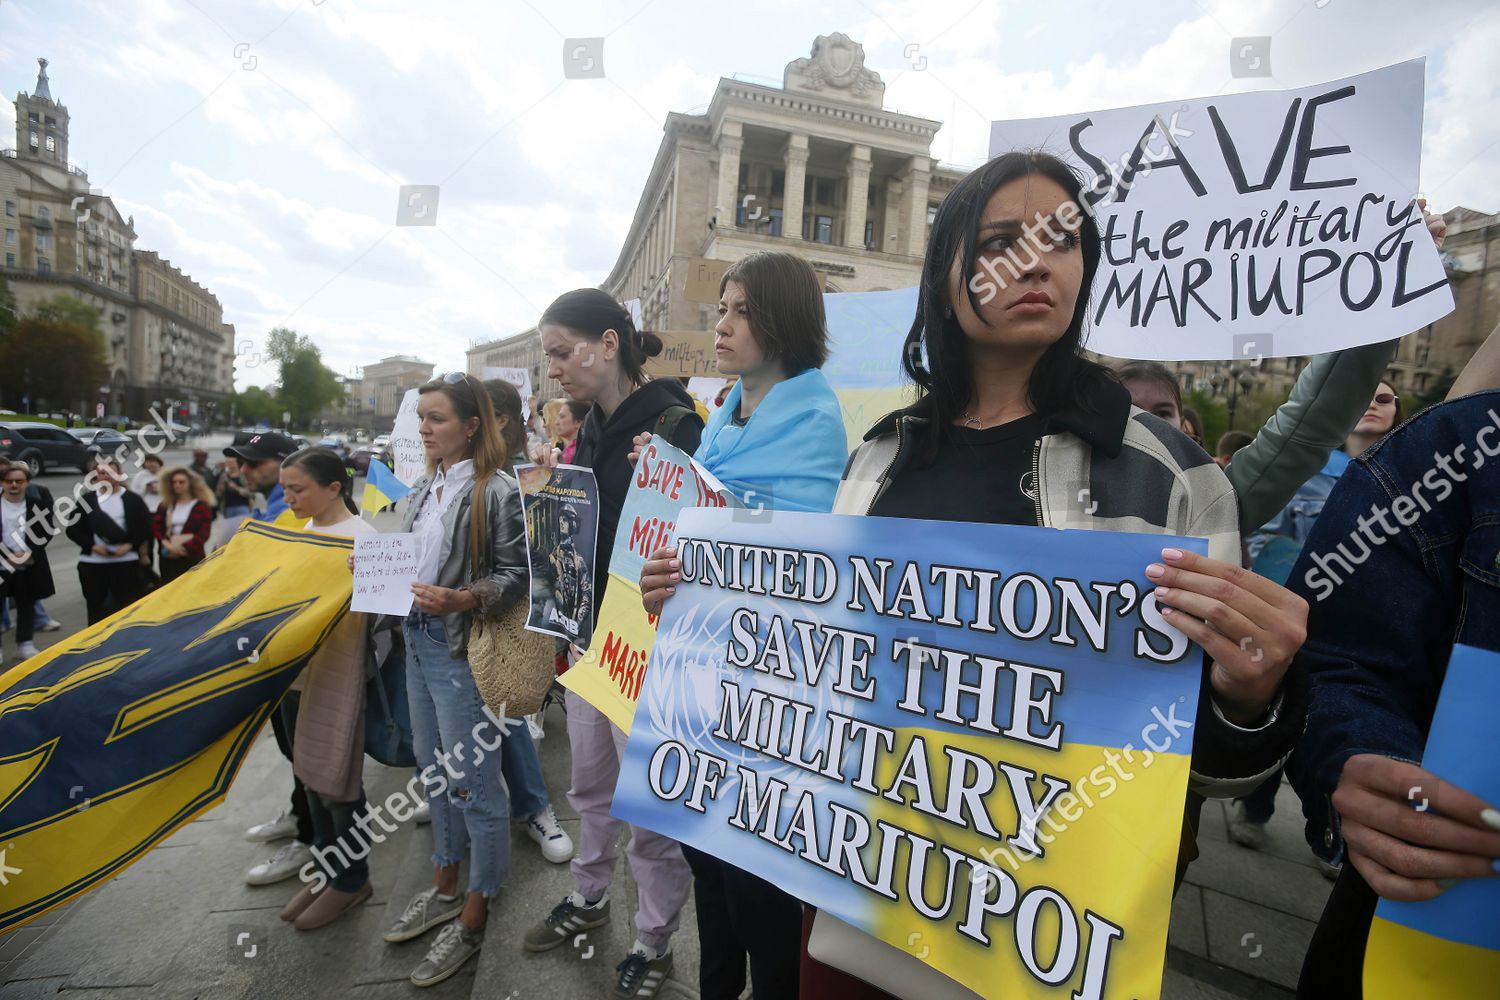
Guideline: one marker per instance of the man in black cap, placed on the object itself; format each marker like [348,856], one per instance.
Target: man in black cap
[260,458]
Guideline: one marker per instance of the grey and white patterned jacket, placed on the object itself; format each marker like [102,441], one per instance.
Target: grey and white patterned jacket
[1123,469]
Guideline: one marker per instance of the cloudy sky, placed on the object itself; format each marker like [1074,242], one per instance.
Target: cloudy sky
[261,144]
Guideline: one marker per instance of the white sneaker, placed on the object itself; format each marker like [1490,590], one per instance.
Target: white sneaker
[27,650]
[280,828]
[543,828]
[534,723]
[282,865]
[423,812]
[1245,831]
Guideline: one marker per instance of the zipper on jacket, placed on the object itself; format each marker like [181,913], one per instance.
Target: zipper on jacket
[900,440]
[1036,477]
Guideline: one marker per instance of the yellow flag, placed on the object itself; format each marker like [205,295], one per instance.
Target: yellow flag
[114,738]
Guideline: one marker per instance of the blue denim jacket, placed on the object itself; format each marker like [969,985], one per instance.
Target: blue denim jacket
[1295,521]
[1404,561]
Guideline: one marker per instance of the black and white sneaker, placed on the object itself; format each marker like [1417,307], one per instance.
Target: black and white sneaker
[570,917]
[640,974]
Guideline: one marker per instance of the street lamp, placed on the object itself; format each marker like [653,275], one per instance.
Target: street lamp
[1235,383]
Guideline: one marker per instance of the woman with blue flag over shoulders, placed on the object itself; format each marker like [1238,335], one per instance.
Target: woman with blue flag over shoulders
[777,442]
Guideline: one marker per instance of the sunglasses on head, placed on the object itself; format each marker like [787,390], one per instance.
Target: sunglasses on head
[1386,398]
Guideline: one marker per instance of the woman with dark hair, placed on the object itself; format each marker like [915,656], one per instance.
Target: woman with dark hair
[471,551]
[1012,419]
[324,709]
[778,441]
[1192,426]
[597,354]
[182,522]
[530,805]
[569,422]
[113,534]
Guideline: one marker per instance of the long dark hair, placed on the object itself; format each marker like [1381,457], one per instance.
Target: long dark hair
[325,467]
[936,351]
[506,399]
[589,312]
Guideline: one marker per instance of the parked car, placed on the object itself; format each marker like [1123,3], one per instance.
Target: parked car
[103,439]
[359,459]
[42,446]
[381,440]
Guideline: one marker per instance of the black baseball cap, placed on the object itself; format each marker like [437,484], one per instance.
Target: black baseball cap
[259,447]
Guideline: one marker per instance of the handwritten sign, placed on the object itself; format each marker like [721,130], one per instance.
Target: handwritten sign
[385,567]
[518,377]
[1255,225]
[684,355]
[703,277]
[407,454]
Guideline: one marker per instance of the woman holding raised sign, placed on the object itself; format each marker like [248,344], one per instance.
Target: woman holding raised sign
[595,351]
[778,442]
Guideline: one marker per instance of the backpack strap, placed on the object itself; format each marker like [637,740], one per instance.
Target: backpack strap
[666,424]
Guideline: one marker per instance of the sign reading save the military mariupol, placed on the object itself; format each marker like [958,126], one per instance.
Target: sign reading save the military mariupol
[114,738]
[666,481]
[971,741]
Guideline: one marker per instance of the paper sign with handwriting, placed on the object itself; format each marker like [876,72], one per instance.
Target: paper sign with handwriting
[385,567]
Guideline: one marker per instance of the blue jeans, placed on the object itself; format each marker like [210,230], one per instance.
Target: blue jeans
[523,772]
[454,741]
[42,618]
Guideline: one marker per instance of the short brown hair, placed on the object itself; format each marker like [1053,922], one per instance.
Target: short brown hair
[785,301]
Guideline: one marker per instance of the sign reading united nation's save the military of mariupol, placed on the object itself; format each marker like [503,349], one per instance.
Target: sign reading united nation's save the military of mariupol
[971,741]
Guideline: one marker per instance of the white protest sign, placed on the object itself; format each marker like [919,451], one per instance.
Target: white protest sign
[385,567]
[705,390]
[518,377]
[1267,224]
[407,453]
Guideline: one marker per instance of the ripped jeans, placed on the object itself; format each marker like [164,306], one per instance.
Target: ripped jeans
[449,729]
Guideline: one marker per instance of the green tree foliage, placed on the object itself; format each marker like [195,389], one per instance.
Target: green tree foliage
[1213,411]
[8,317]
[66,309]
[58,363]
[307,385]
[255,405]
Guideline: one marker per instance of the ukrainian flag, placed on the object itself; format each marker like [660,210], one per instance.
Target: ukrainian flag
[382,488]
[115,738]
[1448,946]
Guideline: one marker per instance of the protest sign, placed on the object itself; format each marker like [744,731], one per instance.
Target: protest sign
[666,481]
[518,377]
[385,567]
[1448,946]
[684,354]
[407,454]
[703,277]
[562,530]
[866,334]
[706,389]
[1244,226]
[971,741]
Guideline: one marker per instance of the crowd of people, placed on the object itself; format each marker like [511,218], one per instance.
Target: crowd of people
[1334,689]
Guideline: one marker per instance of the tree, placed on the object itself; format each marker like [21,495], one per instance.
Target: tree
[8,316]
[255,405]
[307,385]
[66,309]
[57,363]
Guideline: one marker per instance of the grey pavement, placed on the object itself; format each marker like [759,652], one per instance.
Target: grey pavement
[182,923]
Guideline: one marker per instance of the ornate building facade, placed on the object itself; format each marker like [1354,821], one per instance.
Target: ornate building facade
[165,335]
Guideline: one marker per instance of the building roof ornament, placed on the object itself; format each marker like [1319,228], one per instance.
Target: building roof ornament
[837,63]
[42,89]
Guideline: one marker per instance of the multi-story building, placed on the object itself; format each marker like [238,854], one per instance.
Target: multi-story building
[164,334]
[372,399]
[817,166]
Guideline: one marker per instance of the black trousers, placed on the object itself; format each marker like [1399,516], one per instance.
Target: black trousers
[110,587]
[172,568]
[1334,966]
[284,728]
[740,914]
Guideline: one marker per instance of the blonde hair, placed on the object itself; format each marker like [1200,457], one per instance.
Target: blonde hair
[487,449]
[197,488]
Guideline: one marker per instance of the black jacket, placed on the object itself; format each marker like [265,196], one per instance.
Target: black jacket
[33,581]
[92,521]
[604,446]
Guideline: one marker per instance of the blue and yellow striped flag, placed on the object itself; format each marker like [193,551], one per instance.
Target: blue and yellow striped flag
[113,739]
[382,488]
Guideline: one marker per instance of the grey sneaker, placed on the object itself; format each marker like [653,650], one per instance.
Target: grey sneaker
[567,918]
[1245,831]
[455,945]
[640,975]
[424,912]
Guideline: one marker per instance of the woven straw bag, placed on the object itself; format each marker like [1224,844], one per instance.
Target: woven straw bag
[512,666]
